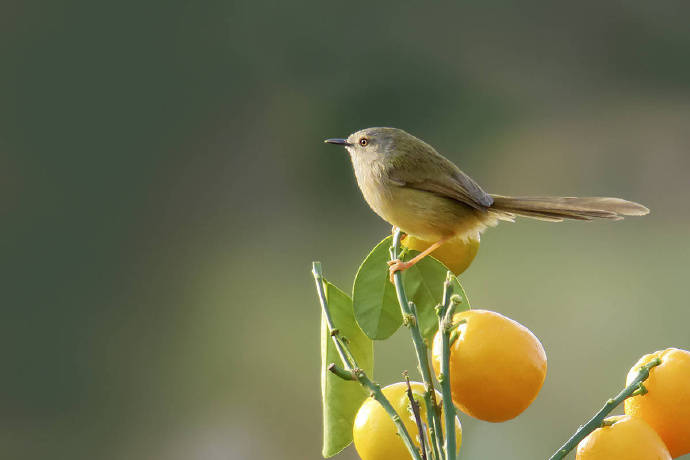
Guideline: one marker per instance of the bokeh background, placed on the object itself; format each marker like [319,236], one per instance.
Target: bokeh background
[164,189]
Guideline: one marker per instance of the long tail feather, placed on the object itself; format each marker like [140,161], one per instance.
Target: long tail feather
[556,209]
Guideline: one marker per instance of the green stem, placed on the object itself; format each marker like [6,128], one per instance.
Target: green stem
[407,309]
[340,372]
[339,345]
[435,432]
[417,416]
[596,421]
[351,366]
[444,323]
[432,448]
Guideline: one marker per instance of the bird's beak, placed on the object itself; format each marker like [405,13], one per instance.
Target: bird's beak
[338,141]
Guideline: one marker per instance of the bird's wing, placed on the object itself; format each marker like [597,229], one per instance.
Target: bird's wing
[443,178]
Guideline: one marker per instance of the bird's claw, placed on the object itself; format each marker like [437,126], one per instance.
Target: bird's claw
[394,266]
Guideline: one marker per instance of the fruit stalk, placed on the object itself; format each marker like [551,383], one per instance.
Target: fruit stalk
[350,365]
[595,422]
[408,311]
[445,316]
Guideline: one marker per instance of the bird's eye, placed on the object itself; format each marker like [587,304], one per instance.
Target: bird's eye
[363,142]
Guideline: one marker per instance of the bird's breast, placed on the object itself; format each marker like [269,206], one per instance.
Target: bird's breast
[375,189]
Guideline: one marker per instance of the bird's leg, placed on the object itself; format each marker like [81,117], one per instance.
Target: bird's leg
[398,265]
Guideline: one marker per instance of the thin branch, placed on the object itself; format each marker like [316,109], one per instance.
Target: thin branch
[432,408]
[454,332]
[340,372]
[352,368]
[595,422]
[417,415]
[408,311]
[339,346]
[445,316]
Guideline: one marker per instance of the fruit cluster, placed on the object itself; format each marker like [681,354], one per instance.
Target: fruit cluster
[656,424]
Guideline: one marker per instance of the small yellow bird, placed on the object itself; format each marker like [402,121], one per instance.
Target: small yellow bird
[413,187]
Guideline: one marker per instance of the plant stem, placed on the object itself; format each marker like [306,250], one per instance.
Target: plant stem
[339,345]
[417,416]
[432,408]
[596,421]
[340,372]
[408,310]
[350,365]
[444,322]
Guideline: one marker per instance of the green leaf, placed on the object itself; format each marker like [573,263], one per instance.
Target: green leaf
[373,297]
[340,398]
[376,306]
[424,286]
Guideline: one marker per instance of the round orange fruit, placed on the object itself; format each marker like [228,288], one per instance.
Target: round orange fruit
[666,405]
[456,254]
[623,437]
[497,366]
[374,433]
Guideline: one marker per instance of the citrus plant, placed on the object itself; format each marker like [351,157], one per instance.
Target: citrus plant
[423,298]
[484,364]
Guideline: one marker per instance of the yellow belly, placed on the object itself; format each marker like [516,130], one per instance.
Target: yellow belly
[425,215]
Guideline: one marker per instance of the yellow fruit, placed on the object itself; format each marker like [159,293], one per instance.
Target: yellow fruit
[497,366]
[666,406]
[375,435]
[628,438]
[455,254]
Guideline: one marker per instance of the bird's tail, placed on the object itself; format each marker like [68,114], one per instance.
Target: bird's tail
[556,209]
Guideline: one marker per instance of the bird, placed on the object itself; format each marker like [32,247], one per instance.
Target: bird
[416,189]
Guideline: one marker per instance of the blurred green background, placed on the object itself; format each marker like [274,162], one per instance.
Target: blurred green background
[165,188]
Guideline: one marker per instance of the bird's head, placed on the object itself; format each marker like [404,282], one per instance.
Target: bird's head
[374,143]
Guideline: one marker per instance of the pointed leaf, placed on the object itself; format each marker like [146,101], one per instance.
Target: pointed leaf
[373,297]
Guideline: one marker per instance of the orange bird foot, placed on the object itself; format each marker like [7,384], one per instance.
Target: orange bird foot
[397,265]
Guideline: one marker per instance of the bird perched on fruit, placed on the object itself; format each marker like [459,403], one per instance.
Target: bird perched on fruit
[413,187]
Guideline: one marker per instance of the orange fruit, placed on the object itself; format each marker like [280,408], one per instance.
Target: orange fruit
[456,254]
[497,366]
[374,433]
[666,406]
[628,438]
